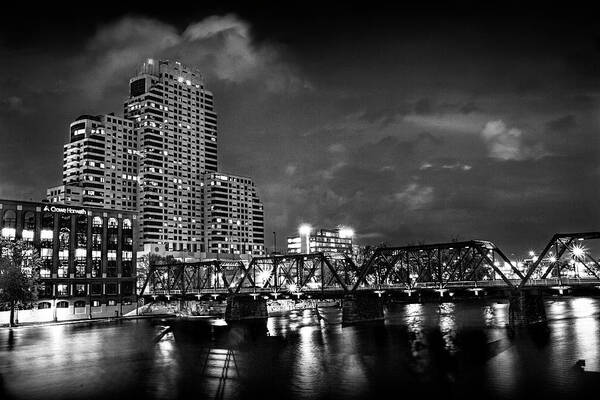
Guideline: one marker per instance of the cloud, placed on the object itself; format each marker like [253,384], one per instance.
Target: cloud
[506,144]
[414,196]
[221,45]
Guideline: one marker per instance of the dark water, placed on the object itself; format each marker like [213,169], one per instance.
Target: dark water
[447,350]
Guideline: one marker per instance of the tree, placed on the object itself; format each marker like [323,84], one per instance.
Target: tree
[19,275]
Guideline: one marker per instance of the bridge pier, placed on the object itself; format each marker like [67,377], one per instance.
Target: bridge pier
[526,307]
[361,308]
[240,307]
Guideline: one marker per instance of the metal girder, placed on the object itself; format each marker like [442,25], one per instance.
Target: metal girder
[409,267]
[561,242]
[441,263]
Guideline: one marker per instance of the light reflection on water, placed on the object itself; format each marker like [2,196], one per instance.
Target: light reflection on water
[431,348]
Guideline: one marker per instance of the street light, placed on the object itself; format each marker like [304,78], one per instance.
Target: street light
[346,233]
[305,230]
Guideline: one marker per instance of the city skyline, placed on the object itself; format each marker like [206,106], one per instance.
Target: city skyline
[476,127]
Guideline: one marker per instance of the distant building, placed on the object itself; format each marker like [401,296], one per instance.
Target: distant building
[88,254]
[338,240]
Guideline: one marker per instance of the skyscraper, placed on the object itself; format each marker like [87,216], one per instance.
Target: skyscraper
[159,159]
[176,127]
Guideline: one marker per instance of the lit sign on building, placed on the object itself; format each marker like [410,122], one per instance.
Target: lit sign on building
[65,210]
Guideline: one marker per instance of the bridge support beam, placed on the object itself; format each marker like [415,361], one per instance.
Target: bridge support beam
[361,308]
[241,308]
[526,307]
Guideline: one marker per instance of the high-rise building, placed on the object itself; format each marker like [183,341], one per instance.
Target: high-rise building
[338,240]
[176,126]
[156,161]
[233,216]
[100,164]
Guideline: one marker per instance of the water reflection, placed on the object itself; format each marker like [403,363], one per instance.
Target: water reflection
[450,350]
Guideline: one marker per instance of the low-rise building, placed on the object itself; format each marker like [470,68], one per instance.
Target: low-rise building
[88,255]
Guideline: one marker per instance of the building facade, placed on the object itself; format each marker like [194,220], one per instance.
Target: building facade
[338,240]
[88,254]
[100,164]
[233,217]
[176,125]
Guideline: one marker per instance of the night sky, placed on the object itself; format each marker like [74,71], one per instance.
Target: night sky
[413,124]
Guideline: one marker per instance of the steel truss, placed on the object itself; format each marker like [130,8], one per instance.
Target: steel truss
[562,246]
[435,266]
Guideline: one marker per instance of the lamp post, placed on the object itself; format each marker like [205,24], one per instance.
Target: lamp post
[274,242]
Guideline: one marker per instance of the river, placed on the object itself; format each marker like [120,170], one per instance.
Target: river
[444,350]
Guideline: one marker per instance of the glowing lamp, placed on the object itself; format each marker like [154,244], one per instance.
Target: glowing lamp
[304,229]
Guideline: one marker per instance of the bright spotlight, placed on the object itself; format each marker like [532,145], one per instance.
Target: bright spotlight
[577,251]
[346,232]
[531,253]
[552,259]
[293,288]
[305,229]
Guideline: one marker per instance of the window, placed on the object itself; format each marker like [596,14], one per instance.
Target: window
[96,288]
[9,224]
[126,223]
[127,288]
[113,241]
[96,303]
[63,268]
[64,238]
[126,268]
[97,223]
[80,289]
[96,241]
[79,304]
[96,267]
[44,305]
[62,289]
[112,302]
[80,267]
[111,288]
[81,231]
[62,304]
[28,226]
[112,223]
[29,220]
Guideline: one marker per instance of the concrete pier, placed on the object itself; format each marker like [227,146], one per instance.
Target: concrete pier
[526,307]
[361,308]
[245,308]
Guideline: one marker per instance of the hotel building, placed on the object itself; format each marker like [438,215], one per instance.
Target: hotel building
[88,255]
